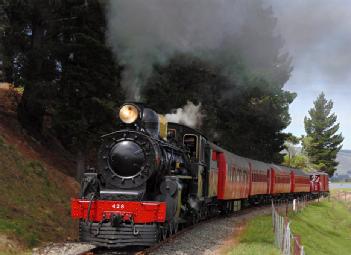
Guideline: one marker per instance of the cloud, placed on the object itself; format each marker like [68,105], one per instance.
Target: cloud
[318,36]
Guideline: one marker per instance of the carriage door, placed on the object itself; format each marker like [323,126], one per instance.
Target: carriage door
[213,173]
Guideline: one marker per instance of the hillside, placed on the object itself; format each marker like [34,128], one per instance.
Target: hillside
[332,235]
[35,192]
[344,159]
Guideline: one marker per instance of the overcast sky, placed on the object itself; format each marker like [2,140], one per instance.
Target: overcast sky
[318,37]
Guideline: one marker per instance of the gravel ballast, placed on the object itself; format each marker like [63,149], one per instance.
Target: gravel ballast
[209,237]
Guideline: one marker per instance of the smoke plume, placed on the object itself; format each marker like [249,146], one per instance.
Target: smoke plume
[317,34]
[144,33]
[190,115]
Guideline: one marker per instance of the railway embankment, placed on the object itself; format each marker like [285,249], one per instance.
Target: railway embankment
[34,191]
[256,237]
[324,228]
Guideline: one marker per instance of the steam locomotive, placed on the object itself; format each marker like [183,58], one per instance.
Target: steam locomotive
[154,177]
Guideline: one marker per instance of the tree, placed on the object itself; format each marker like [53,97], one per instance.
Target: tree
[299,161]
[28,58]
[88,86]
[244,113]
[290,147]
[322,143]
[57,51]
[240,86]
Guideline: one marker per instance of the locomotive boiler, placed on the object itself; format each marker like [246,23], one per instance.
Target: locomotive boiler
[154,177]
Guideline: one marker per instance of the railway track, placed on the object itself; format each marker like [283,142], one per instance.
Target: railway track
[75,248]
[154,248]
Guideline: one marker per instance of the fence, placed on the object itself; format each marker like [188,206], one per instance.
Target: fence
[288,243]
[342,196]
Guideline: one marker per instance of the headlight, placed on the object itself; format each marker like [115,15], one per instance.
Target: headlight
[128,113]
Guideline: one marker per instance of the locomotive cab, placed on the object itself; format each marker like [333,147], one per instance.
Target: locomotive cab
[199,152]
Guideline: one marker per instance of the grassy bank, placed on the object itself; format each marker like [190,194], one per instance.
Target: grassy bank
[34,202]
[257,238]
[325,228]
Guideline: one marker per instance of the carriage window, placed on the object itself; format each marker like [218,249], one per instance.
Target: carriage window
[190,141]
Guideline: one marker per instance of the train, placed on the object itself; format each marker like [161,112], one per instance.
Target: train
[154,177]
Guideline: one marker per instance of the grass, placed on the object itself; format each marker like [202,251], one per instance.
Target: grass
[34,203]
[15,252]
[257,238]
[325,228]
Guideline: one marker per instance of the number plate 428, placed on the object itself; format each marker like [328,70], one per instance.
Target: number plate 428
[118,206]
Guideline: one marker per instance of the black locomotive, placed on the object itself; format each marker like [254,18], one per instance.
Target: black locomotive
[142,161]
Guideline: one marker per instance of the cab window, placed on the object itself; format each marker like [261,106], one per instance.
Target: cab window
[171,134]
[190,142]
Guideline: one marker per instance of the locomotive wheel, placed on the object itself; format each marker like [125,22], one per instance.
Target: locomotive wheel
[164,232]
[175,227]
[206,213]
[170,228]
[195,219]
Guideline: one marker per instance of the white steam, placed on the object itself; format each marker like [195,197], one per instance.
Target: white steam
[190,115]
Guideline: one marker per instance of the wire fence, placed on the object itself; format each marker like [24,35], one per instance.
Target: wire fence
[285,240]
[344,196]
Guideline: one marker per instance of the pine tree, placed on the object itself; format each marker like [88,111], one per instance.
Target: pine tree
[57,51]
[245,114]
[322,143]
[239,85]
[88,87]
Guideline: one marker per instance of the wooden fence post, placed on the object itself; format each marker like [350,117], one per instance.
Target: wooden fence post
[297,245]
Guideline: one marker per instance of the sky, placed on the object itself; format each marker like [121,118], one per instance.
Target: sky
[317,35]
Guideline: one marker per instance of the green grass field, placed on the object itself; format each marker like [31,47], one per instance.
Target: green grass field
[325,228]
[257,238]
